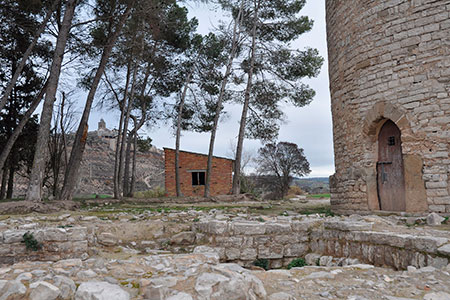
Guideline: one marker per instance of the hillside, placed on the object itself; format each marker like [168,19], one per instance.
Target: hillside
[317,185]
[97,168]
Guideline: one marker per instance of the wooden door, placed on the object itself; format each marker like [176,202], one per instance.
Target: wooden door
[390,174]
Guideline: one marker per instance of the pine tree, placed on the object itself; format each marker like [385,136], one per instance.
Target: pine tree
[274,71]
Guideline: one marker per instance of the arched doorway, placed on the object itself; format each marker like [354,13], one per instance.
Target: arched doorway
[390,170]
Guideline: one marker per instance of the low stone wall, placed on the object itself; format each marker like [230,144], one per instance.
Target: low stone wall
[340,239]
[245,242]
[279,243]
[57,244]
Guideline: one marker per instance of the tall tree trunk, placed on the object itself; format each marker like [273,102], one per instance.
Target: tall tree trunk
[34,192]
[133,136]
[4,183]
[56,165]
[119,135]
[72,171]
[10,190]
[125,130]
[236,34]
[18,130]
[27,54]
[248,89]
[133,170]
[63,130]
[178,135]
[126,175]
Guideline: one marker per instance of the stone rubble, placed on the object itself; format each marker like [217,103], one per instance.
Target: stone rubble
[434,219]
[202,276]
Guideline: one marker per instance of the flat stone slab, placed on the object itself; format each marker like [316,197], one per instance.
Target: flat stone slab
[348,225]
[444,250]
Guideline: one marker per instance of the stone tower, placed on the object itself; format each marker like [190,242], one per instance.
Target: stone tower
[101,125]
[389,66]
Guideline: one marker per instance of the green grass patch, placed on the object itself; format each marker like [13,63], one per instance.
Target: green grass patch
[92,196]
[318,196]
[12,200]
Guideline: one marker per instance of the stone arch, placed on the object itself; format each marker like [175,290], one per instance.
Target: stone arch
[414,185]
[381,112]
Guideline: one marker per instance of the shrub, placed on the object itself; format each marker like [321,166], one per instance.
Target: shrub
[297,263]
[262,263]
[157,192]
[295,190]
[249,187]
[30,242]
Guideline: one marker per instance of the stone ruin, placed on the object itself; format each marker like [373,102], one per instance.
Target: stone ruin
[389,66]
[199,255]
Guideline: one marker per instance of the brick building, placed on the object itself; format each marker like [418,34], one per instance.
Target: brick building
[389,66]
[193,174]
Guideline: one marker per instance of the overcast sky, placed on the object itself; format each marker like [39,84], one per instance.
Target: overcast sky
[309,127]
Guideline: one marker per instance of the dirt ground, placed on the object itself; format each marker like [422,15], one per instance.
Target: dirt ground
[279,207]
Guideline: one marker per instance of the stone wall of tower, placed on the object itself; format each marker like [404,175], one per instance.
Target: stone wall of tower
[390,59]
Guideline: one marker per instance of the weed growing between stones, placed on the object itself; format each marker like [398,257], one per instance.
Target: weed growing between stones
[262,263]
[297,263]
[30,242]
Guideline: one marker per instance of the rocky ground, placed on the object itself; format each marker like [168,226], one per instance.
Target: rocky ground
[201,276]
[129,270]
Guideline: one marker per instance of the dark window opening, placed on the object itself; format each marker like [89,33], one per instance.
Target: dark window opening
[198,178]
[391,141]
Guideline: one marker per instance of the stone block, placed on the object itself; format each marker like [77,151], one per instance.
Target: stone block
[54,235]
[312,259]
[232,253]
[68,263]
[278,228]
[77,233]
[13,236]
[212,227]
[295,250]
[100,290]
[232,241]
[426,243]
[248,254]
[389,238]
[325,261]
[248,228]
[303,226]
[437,262]
[183,238]
[6,249]
[106,239]
[434,219]
[283,239]
[348,225]
[42,290]
[272,252]
[444,250]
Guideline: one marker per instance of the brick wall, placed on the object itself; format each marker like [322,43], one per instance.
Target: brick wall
[221,176]
[390,60]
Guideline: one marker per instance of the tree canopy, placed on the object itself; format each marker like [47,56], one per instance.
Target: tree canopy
[282,161]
